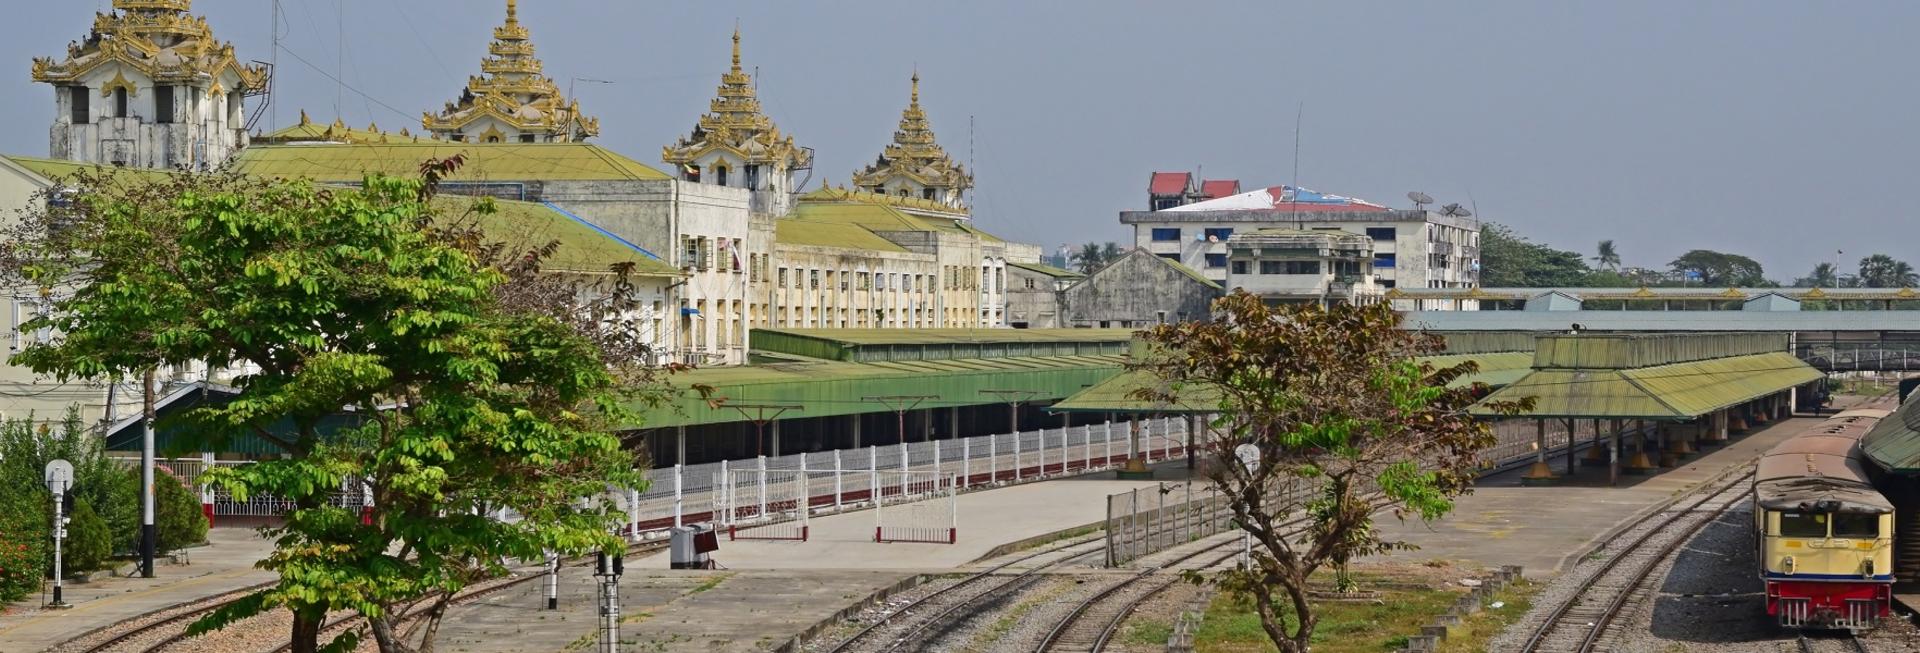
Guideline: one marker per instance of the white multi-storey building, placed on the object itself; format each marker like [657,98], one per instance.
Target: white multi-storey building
[1411,248]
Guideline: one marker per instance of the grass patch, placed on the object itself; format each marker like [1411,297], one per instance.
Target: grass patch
[1147,631]
[1232,627]
[992,634]
[1478,628]
[710,583]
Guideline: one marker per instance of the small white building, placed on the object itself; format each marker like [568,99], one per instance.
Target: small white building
[1303,266]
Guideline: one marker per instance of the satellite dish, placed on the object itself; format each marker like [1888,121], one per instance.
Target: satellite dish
[1420,199]
[1455,210]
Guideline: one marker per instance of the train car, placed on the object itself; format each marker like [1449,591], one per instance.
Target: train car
[1824,534]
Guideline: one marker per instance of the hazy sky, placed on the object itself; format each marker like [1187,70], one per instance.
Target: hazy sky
[1782,130]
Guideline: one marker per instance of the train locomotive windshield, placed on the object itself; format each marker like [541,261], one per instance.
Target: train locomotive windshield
[1856,526]
[1803,524]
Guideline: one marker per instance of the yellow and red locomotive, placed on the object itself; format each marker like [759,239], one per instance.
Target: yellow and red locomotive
[1824,534]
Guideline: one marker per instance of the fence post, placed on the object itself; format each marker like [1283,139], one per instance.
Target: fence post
[1063,451]
[1086,442]
[993,459]
[906,458]
[723,492]
[1110,532]
[873,478]
[633,515]
[936,460]
[678,487]
[836,480]
[966,463]
[763,488]
[206,490]
[1016,456]
[1108,461]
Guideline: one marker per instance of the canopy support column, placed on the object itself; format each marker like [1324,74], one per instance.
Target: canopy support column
[1639,464]
[1540,473]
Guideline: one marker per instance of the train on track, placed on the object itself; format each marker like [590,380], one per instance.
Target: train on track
[1823,534]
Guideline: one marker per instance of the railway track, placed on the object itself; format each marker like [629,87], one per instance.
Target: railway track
[178,615]
[1095,620]
[1582,623]
[945,608]
[1848,643]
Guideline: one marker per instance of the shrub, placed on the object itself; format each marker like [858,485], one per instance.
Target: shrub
[23,552]
[176,512]
[87,545]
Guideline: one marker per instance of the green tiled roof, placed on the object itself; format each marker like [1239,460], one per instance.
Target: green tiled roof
[1189,272]
[1678,392]
[815,233]
[583,248]
[881,217]
[349,163]
[956,336]
[54,169]
[1047,270]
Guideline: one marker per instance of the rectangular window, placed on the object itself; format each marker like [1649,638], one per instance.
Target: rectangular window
[1171,257]
[1303,267]
[1380,233]
[1271,267]
[1855,526]
[1166,235]
[1386,284]
[1803,524]
[163,104]
[813,279]
[1383,260]
[1239,267]
[529,138]
[1219,234]
[1216,260]
[80,98]
[753,176]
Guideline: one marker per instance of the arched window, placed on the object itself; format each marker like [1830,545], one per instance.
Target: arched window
[493,139]
[926,193]
[720,175]
[119,103]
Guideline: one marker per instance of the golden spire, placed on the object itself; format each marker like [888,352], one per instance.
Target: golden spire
[513,12]
[915,103]
[513,90]
[736,48]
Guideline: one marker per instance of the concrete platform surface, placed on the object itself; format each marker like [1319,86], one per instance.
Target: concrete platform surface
[663,611]
[987,518]
[1544,527]
[224,565]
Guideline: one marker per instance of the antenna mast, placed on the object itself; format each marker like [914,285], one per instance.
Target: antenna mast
[1294,206]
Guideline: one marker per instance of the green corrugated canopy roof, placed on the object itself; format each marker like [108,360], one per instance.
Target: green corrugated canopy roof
[1894,443]
[1115,395]
[506,162]
[1674,392]
[830,388]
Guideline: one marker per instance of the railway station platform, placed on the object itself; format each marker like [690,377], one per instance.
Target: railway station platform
[224,565]
[1546,529]
[987,519]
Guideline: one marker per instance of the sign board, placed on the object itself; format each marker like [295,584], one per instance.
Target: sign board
[59,476]
[1249,456]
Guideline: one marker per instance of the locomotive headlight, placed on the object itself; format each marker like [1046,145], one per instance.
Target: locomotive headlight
[1869,569]
[1787,564]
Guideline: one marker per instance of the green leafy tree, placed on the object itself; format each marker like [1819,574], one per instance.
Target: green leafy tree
[88,541]
[176,512]
[1607,258]
[1882,271]
[1088,259]
[1710,268]
[1509,260]
[1328,414]
[365,299]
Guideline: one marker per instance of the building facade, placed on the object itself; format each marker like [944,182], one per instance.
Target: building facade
[149,87]
[1140,289]
[1303,266]
[1034,294]
[1411,249]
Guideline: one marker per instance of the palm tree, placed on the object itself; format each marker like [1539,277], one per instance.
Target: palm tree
[1824,276]
[1088,258]
[1609,258]
[1882,271]
[1110,253]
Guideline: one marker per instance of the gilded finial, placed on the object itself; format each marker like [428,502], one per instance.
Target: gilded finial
[736,47]
[513,11]
[304,120]
[916,86]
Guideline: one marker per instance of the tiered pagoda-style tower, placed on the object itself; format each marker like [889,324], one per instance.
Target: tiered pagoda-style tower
[150,87]
[737,145]
[914,165]
[514,102]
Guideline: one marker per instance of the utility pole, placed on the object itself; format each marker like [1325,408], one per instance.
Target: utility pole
[1014,399]
[609,574]
[149,536]
[761,415]
[900,404]
[59,477]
